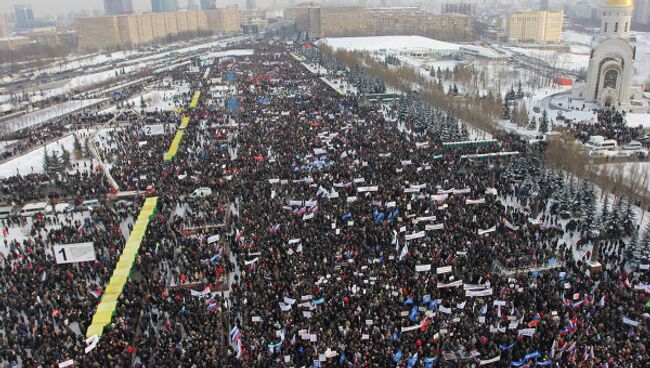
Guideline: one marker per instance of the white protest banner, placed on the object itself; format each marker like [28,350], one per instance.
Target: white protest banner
[422,268]
[274,181]
[351,199]
[441,270]
[411,190]
[213,238]
[74,253]
[410,328]
[448,191]
[200,293]
[444,309]
[486,231]
[67,363]
[284,307]
[406,162]
[306,314]
[644,266]
[511,226]
[501,303]
[462,191]
[154,129]
[474,287]
[247,263]
[294,241]
[367,189]
[630,322]
[391,204]
[308,216]
[319,151]
[421,144]
[434,227]
[91,342]
[256,319]
[295,203]
[424,219]
[359,180]
[526,332]
[418,235]
[451,284]
[289,301]
[492,191]
[489,361]
[439,197]
[475,201]
[478,293]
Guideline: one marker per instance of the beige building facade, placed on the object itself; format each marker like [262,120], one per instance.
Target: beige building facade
[131,30]
[347,21]
[537,26]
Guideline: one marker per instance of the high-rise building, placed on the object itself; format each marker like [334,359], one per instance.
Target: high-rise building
[543,5]
[24,15]
[159,6]
[191,5]
[537,26]
[3,30]
[129,30]
[458,8]
[117,7]
[208,4]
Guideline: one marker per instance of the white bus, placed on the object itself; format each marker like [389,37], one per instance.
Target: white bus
[31,209]
[598,143]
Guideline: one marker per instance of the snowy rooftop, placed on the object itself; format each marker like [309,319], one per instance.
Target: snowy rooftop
[388,43]
[634,120]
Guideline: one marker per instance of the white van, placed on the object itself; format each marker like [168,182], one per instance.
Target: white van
[31,209]
[633,146]
[201,192]
[89,204]
[6,212]
[598,143]
[63,208]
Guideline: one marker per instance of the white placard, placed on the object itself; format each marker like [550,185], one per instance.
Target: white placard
[154,129]
[441,270]
[74,253]
[422,268]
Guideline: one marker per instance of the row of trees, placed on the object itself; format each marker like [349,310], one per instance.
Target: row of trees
[54,162]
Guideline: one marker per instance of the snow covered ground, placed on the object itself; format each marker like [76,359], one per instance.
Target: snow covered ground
[388,43]
[161,100]
[32,162]
[41,116]
[235,52]
[635,120]
[574,61]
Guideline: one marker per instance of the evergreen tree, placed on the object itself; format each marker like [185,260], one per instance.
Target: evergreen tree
[614,225]
[77,148]
[506,110]
[565,201]
[520,91]
[65,159]
[629,220]
[86,151]
[55,162]
[604,212]
[142,103]
[533,124]
[543,125]
[641,249]
[47,165]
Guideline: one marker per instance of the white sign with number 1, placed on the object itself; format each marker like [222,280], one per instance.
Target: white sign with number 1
[74,253]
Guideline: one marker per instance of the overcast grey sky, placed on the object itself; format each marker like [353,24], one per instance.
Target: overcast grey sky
[43,8]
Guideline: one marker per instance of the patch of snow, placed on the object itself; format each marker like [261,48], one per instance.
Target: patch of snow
[32,162]
[388,43]
[44,115]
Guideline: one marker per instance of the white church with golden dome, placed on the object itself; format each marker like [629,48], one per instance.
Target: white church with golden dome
[611,65]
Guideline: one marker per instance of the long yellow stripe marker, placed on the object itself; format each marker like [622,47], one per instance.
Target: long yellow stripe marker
[106,308]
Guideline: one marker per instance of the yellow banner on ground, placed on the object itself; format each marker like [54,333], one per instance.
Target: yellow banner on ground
[106,308]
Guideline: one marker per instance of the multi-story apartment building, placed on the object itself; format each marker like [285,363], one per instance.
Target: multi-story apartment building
[538,26]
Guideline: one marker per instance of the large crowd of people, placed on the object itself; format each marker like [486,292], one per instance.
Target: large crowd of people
[297,227]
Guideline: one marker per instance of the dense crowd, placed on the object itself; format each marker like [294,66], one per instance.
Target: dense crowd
[334,234]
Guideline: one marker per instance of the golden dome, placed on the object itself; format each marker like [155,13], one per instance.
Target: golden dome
[619,3]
